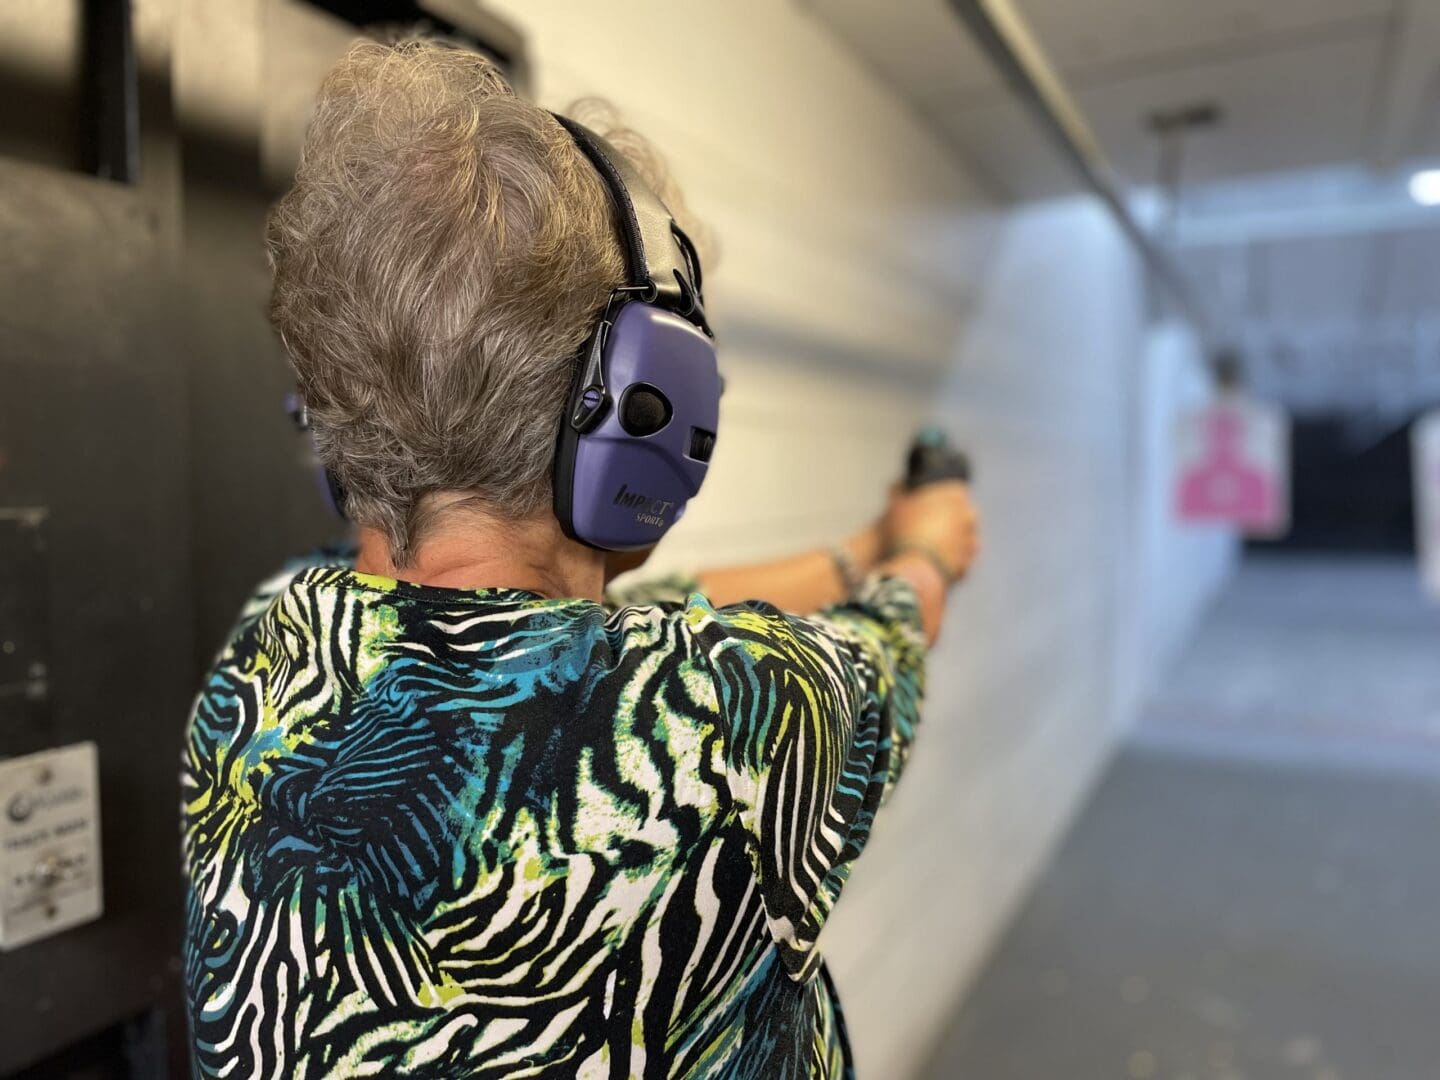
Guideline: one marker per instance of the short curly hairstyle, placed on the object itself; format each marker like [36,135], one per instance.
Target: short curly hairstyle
[439,261]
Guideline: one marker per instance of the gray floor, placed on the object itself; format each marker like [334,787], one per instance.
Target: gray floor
[1254,890]
[1314,646]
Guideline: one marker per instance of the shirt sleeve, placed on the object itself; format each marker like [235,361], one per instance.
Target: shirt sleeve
[820,714]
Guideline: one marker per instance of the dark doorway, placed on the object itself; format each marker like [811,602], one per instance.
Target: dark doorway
[1351,488]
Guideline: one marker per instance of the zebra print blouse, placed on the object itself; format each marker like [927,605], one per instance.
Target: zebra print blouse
[434,832]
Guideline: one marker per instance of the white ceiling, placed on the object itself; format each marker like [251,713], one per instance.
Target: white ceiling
[1300,82]
[1294,224]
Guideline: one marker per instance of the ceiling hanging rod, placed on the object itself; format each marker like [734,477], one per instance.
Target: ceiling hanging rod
[1002,33]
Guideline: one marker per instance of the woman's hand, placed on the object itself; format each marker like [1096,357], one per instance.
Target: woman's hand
[937,519]
[933,534]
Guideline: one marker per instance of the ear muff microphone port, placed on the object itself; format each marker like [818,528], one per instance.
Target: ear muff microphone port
[702,444]
[644,410]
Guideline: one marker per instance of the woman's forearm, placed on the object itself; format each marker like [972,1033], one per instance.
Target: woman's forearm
[930,584]
[800,583]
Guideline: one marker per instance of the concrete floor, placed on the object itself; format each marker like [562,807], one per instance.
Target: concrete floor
[1314,646]
[1254,890]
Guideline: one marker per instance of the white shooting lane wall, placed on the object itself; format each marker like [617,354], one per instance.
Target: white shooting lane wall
[866,286]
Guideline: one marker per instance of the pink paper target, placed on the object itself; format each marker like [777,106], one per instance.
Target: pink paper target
[1233,469]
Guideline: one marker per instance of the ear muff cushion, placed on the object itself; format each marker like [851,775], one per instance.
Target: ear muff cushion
[644,410]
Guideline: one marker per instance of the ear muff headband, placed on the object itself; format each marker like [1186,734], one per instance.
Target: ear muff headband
[660,260]
[635,442]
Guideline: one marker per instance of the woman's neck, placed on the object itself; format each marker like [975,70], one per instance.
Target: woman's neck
[468,549]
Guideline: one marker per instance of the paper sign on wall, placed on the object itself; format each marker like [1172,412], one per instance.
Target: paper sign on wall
[1233,467]
[1425,468]
[49,843]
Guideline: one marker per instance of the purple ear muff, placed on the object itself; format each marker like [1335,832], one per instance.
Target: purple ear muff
[326,481]
[633,453]
[638,431]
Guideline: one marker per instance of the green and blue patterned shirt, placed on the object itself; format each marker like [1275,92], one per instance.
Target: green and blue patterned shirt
[478,833]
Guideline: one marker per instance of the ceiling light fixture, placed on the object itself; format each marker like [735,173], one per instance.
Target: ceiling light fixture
[1425,187]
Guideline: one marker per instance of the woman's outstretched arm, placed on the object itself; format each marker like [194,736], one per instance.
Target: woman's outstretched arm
[928,537]
[807,581]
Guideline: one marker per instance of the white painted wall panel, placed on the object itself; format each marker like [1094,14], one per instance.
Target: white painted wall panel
[1023,707]
[1182,565]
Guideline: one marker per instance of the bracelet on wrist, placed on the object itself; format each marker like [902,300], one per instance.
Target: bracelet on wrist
[943,568]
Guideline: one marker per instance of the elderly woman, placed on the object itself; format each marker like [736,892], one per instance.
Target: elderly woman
[449,810]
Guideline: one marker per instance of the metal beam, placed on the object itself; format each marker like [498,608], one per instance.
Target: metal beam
[1304,223]
[111,105]
[1002,33]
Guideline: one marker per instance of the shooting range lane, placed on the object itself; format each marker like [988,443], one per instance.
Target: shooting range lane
[1252,890]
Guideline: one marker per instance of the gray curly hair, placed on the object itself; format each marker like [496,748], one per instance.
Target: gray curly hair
[438,263]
